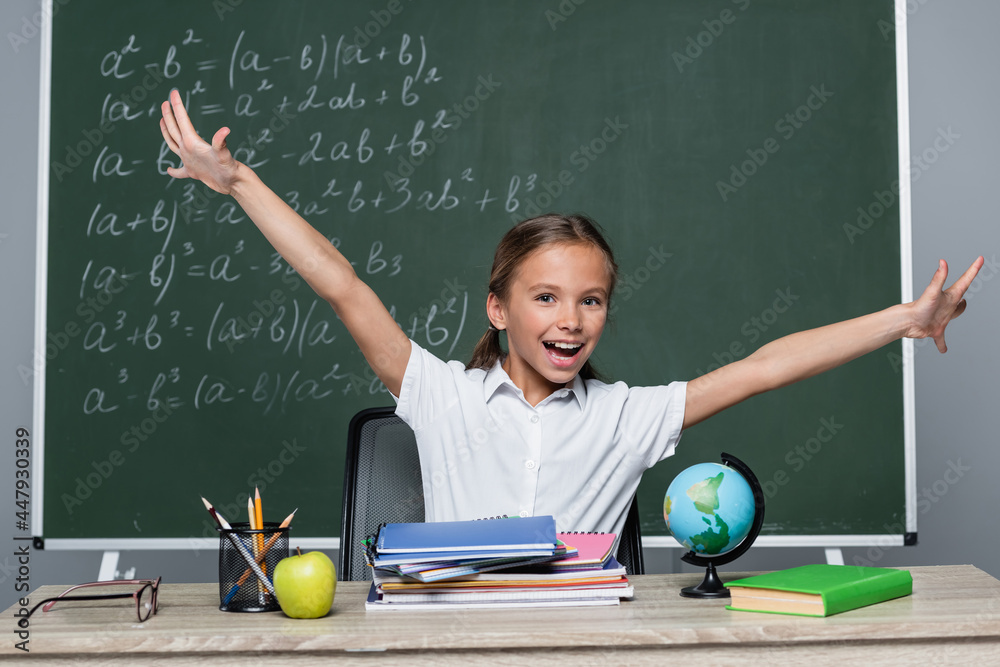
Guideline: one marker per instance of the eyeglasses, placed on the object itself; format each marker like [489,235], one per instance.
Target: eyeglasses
[145,597]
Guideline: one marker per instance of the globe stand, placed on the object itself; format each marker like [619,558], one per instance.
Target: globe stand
[711,586]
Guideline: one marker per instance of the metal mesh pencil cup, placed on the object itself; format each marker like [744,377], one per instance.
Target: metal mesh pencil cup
[239,591]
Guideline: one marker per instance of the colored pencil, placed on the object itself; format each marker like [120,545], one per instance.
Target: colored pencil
[260,557]
[254,544]
[219,519]
[259,514]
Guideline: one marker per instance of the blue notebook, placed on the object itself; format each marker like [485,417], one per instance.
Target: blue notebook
[408,557]
[503,535]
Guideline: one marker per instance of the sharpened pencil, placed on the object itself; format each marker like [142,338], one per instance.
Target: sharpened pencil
[255,543]
[259,514]
[219,519]
[260,557]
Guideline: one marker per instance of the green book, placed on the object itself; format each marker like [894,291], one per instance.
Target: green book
[818,590]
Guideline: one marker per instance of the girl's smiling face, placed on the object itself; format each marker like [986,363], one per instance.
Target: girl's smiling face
[554,316]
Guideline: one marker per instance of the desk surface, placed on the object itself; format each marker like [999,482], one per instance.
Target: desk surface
[953,615]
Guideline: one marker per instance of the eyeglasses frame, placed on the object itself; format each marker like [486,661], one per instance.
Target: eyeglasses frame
[136,595]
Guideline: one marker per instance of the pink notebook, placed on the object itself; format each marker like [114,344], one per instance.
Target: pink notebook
[593,548]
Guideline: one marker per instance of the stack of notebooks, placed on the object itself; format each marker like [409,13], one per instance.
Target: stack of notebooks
[518,562]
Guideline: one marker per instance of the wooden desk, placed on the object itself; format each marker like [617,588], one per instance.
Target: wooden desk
[953,616]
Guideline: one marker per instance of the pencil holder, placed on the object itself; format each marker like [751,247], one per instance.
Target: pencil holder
[240,588]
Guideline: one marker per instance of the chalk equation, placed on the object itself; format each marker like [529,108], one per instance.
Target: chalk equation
[167,271]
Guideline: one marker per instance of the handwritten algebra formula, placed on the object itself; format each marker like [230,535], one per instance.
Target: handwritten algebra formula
[172,271]
[171,324]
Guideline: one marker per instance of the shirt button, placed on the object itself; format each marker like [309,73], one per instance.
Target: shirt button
[524,513]
[534,419]
[530,465]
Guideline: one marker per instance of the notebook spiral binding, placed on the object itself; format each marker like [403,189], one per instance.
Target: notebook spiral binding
[369,542]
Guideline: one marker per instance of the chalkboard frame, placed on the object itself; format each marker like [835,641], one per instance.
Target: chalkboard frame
[908,416]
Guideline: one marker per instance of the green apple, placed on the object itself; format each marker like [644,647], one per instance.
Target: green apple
[305,584]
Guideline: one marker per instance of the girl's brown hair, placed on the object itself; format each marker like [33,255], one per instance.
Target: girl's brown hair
[516,245]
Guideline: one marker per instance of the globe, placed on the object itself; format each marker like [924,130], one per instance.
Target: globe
[709,508]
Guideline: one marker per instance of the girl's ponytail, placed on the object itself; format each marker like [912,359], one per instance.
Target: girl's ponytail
[488,350]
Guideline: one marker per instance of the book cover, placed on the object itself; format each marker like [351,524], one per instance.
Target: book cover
[593,548]
[537,532]
[818,590]
[420,558]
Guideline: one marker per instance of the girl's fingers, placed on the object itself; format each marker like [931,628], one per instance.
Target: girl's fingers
[936,284]
[219,140]
[963,283]
[171,144]
[170,124]
[180,113]
[940,275]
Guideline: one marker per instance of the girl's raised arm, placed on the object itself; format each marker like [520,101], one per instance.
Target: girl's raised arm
[330,274]
[801,355]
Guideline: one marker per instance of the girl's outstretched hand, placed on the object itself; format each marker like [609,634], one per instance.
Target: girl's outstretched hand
[212,164]
[936,307]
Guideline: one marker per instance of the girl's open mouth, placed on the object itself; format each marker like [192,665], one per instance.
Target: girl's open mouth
[563,352]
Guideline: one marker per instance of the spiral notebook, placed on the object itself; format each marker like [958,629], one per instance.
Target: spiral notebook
[499,600]
[612,571]
[591,592]
[448,549]
[509,535]
[594,549]
[589,575]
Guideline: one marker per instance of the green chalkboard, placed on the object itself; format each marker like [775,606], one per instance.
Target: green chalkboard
[740,154]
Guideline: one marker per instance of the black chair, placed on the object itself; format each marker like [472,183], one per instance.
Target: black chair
[382,484]
[630,544]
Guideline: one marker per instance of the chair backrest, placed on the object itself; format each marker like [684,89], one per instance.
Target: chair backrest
[630,544]
[383,484]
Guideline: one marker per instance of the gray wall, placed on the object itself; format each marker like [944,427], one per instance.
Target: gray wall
[953,55]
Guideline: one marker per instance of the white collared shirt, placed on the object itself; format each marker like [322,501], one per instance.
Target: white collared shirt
[578,455]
